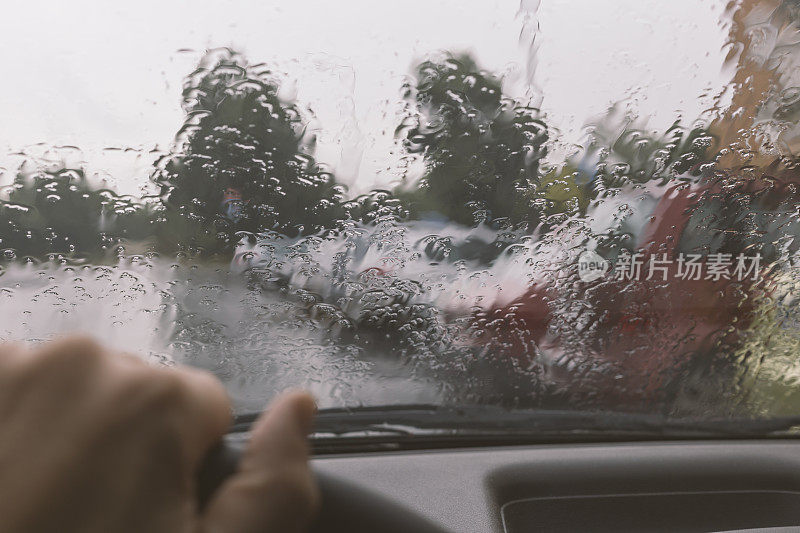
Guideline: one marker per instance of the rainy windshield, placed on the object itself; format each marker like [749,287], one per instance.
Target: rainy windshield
[540,204]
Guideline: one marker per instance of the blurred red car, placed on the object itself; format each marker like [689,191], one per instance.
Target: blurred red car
[627,336]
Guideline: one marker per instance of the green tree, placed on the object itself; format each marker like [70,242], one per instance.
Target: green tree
[241,162]
[61,212]
[481,150]
[626,154]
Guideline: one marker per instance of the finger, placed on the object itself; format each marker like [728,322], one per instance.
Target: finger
[55,364]
[10,354]
[207,412]
[69,349]
[274,486]
[76,354]
[281,432]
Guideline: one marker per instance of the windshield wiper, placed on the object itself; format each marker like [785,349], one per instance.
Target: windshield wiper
[426,426]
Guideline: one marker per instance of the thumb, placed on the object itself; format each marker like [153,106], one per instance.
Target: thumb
[273,489]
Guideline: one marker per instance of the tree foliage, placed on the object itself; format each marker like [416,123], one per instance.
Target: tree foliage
[62,212]
[481,151]
[242,145]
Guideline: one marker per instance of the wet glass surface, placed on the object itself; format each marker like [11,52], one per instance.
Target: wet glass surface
[539,204]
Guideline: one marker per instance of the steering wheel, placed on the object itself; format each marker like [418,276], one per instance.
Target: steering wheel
[345,508]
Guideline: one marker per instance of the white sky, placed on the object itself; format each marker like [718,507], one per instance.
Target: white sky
[99,74]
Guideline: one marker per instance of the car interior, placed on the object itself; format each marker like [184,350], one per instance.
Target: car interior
[649,485]
[536,260]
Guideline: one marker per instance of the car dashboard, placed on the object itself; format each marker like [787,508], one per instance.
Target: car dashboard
[673,486]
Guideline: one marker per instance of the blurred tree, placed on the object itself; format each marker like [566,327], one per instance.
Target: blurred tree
[241,162]
[376,206]
[626,154]
[481,151]
[61,212]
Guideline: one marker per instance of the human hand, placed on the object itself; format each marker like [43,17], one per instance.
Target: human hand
[94,441]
